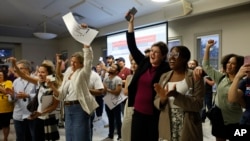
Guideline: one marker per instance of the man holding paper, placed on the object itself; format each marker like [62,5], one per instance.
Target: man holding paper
[112,89]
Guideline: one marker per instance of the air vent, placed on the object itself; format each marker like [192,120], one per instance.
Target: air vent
[77,16]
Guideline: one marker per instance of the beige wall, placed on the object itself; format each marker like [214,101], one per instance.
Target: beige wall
[31,49]
[72,46]
[234,25]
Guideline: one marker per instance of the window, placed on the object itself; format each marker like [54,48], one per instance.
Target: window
[4,54]
[215,51]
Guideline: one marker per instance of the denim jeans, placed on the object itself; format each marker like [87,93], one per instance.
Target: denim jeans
[24,130]
[77,123]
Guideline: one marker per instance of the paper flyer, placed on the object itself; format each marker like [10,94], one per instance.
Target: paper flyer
[82,35]
[112,100]
[47,100]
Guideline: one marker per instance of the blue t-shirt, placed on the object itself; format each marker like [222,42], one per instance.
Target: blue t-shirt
[244,86]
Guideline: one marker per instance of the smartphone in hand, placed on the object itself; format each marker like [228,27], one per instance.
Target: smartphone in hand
[247,59]
[132,11]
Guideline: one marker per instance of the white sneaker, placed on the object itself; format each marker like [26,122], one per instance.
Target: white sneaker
[107,139]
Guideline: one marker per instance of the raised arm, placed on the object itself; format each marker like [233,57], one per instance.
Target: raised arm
[131,24]
[214,74]
[58,67]
[134,51]
[21,74]
[210,43]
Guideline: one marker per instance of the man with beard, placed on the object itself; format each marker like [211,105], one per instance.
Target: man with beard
[112,88]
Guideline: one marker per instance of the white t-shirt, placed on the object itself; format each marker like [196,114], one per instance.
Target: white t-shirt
[181,87]
[95,81]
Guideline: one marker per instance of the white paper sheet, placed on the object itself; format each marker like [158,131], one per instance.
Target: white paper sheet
[112,101]
[82,35]
[46,101]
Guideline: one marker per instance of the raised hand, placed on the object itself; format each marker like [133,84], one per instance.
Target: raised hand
[84,25]
[210,43]
[164,93]
[243,71]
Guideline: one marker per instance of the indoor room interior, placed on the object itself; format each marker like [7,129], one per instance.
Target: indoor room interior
[186,21]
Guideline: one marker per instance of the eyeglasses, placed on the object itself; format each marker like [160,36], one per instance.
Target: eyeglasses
[173,54]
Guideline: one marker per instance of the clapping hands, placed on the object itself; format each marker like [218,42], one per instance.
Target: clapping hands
[164,93]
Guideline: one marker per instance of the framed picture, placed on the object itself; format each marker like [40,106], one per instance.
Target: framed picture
[215,51]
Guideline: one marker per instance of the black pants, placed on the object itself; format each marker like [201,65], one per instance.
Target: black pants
[114,118]
[144,127]
[39,129]
[220,130]
[206,105]
[99,110]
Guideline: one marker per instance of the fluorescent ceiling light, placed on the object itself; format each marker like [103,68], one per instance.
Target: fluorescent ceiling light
[160,0]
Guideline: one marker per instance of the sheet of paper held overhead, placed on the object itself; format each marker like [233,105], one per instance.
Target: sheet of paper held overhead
[82,35]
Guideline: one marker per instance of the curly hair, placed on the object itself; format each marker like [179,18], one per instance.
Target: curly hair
[239,61]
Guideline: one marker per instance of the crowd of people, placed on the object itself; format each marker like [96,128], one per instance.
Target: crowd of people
[163,96]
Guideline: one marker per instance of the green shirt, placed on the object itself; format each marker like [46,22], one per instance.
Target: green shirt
[231,112]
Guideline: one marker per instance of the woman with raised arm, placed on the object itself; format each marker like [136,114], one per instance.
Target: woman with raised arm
[227,114]
[22,93]
[141,91]
[44,117]
[79,104]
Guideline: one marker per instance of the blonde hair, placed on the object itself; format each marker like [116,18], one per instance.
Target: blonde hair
[79,56]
